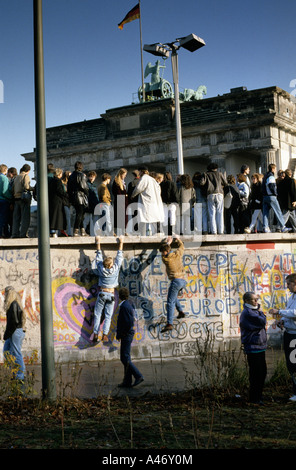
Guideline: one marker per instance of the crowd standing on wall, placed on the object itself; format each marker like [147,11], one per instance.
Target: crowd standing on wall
[152,203]
[208,202]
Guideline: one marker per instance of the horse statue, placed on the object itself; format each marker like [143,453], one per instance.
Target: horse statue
[192,95]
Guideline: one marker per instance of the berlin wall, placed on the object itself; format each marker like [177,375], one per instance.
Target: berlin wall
[218,272]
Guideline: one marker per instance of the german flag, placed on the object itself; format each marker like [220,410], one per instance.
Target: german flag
[132,15]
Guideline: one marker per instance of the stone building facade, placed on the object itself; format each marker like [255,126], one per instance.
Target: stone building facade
[255,127]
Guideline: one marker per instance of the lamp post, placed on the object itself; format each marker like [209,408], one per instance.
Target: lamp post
[191,43]
[46,320]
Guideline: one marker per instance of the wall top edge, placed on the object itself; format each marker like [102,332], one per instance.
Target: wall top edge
[255,241]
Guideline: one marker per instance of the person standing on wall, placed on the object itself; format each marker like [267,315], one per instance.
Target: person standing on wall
[5,201]
[125,333]
[254,339]
[173,261]
[270,201]
[288,322]
[22,203]
[78,194]
[93,200]
[120,202]
[107,270]
[214,182]
[15,330]
[105,208]
[150,207]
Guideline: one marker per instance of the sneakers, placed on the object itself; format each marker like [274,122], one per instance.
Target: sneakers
[105,339]
[266,230]
[168,327]
[247,230]
[181,315]
[286,230]
[292,398]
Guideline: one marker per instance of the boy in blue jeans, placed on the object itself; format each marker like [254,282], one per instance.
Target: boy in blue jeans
[108,272]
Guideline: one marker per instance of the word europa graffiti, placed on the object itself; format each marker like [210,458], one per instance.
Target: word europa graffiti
[1,92]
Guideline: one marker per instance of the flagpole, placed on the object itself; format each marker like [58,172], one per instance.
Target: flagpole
[142,67]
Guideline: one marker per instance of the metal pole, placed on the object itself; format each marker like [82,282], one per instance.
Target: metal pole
[174,57]
[142,66]
[46,317]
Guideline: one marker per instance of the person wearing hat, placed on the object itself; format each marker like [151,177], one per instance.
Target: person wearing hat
[15,330]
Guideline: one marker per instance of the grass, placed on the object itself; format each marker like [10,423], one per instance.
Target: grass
[191,420]
[213,413]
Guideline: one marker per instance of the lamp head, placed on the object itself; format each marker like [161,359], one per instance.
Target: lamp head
[156,49]
[191,42]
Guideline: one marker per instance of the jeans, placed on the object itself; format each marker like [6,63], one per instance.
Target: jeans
[89,221]
[172,299]
[13,346]
[291,217]
[257,214]
[271,202]
[104,303]
[130,369]
[200,215]
[216,213]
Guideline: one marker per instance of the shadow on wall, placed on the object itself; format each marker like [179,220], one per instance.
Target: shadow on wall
[74,299]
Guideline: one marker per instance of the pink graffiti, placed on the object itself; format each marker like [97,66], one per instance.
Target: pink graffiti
[75,303]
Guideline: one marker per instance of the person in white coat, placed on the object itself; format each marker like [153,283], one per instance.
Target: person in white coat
[288,322]
[150,206]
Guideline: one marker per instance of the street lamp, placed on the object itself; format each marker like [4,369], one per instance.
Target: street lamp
[191,43]
[46,322]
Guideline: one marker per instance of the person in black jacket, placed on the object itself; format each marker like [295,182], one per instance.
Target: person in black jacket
[286,188]
[233,210]
[254,339]
[93,200]
[125,333]
[78,195]
[170,198]
[15,331]
[57,199]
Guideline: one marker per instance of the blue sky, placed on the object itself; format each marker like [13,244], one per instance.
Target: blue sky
[92,66]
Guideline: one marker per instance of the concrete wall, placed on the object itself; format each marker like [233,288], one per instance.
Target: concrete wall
[218,271]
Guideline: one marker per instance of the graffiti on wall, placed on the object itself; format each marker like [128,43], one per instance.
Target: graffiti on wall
[212,299]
